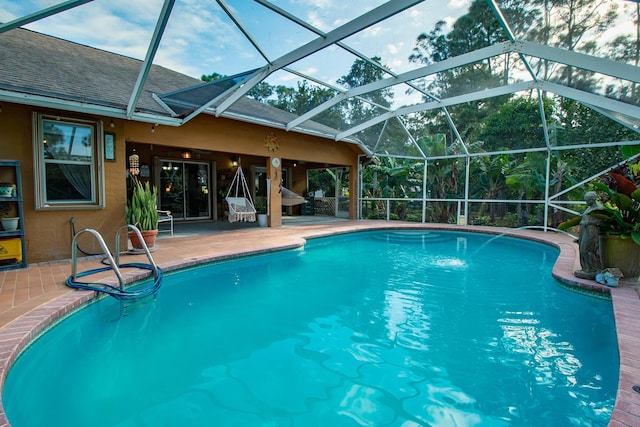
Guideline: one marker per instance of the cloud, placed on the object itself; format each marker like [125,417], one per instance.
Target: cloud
[200,38]
[95,24]
[459,4]
[309,71]
[318,4]
[314,19]
[9,12]
[450,20]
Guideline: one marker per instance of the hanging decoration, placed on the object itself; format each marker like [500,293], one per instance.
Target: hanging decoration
[134,164]
[271,142]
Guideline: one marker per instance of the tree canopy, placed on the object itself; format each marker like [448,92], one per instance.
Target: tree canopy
[514,122]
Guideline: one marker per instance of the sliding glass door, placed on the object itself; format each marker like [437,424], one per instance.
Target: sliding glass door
[184,189]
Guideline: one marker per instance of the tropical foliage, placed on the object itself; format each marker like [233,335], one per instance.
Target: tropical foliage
[620,198]
[260,203]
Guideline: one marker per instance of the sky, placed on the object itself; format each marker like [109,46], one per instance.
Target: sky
[201,39]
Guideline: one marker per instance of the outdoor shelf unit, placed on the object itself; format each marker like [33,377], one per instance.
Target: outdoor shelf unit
[13,253]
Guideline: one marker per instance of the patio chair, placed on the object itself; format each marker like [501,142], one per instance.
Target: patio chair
[165,216]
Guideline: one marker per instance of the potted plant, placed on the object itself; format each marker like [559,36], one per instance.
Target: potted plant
[620,219]
[142,212]
[7,189]
[260,203]
[8,223]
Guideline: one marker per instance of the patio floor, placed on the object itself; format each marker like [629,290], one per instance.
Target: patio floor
[33,297]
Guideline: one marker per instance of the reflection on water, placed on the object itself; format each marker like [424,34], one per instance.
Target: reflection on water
[375,329]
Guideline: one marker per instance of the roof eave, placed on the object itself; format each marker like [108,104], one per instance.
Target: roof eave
[108,111]
[240,117]
[84,107]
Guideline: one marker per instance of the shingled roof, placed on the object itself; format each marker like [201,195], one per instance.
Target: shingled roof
[40,65]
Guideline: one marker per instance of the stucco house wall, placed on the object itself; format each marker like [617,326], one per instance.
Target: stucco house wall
[49,234]
[47,75]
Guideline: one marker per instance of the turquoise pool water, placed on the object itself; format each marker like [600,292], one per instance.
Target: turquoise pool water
[392,328]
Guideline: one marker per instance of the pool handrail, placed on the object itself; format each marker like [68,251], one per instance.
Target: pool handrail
[105,250]
[113,263]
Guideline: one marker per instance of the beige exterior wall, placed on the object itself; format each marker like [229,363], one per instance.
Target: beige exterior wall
[49,234]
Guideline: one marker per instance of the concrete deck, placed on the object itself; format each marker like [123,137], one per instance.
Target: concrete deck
[33,298]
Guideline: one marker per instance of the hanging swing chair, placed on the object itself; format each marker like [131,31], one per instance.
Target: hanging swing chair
[241,206]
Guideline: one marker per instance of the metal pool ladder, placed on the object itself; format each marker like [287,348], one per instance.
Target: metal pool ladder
[118,292]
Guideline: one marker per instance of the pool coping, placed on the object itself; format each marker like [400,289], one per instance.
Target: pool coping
[19,333]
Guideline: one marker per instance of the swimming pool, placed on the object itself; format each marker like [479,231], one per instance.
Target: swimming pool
[459,327]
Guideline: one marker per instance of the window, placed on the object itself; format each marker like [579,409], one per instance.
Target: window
[67,163]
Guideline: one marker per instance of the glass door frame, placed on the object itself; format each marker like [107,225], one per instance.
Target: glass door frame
[158,164]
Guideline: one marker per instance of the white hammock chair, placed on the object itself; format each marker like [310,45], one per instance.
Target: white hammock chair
[289,198]
[241,206]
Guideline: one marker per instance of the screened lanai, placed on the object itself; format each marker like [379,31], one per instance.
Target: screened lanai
[485,112]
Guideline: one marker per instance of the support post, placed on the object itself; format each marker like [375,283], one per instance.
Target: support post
[274,169]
